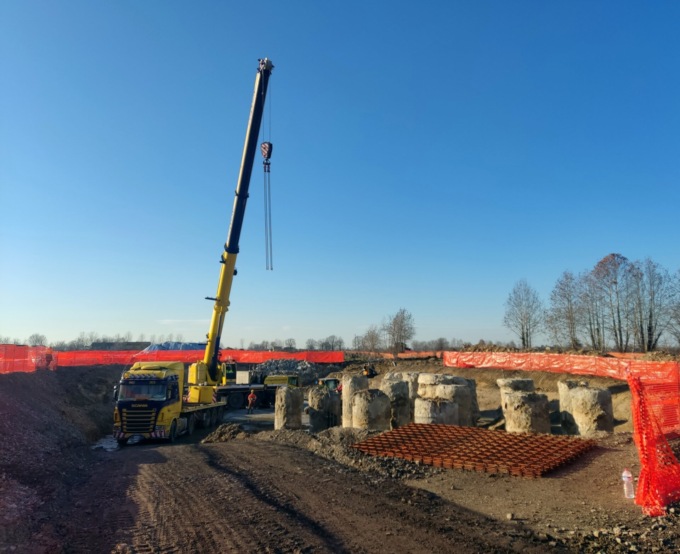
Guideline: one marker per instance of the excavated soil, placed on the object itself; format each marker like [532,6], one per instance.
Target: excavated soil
[288,491]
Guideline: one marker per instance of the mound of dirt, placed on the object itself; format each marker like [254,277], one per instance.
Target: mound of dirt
[336,444]
[226,432]
[48,421]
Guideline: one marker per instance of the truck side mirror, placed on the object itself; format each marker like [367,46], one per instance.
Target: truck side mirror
[115,392]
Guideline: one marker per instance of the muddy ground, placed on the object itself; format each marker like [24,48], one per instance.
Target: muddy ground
[289,491]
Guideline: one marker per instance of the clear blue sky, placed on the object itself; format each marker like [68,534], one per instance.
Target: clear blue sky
[427,156]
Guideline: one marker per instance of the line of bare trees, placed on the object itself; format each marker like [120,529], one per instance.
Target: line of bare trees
[624,305]
[85,341]
[391,336]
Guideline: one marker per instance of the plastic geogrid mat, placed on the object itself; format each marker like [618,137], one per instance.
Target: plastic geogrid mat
[476,449]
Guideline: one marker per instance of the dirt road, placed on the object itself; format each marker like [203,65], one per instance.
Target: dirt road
[260,496]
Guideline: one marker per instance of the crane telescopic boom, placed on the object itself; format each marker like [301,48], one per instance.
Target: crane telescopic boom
[163,400]
[231,247]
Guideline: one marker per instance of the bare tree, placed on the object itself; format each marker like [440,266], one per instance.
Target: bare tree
[290,344]
[562,315]
[398,329]
[592,317]
[332,342]
[36,339]
[438,345]
[674,309]
[524,312]
[311,344]
[653,295]
[456,344]
[371,339]
[612,276]
[83,342]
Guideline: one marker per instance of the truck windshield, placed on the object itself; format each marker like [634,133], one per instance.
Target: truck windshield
[142,391]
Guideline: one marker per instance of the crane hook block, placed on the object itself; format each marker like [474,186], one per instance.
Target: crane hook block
[266,148]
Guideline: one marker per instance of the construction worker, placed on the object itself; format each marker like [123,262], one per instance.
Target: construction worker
[252,399]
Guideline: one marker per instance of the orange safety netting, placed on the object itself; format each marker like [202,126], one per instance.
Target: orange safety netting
[556,363]
[25,358]
[14,358]
[656,419]
[655,390]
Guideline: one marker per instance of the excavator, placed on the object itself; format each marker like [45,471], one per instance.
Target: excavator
[160,399]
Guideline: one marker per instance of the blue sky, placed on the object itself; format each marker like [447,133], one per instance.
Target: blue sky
[427,156]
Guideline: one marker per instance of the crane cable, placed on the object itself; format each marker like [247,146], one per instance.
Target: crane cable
[266,148]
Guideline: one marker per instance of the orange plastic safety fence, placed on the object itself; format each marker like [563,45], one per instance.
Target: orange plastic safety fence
[558,363]
[15,358]
[24,358]
[655,418]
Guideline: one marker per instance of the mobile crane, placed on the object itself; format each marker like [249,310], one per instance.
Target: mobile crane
[160,399]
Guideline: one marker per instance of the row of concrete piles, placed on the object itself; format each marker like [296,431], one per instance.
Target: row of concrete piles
[434,398]
[402,398]
[584,410]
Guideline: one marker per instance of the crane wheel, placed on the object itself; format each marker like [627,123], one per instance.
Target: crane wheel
[191,424]
[173,432]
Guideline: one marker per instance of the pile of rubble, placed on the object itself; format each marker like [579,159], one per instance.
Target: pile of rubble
[336,444]
[225,433]
[308,373]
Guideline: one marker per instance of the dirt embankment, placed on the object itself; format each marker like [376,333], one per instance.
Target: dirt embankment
[289,491]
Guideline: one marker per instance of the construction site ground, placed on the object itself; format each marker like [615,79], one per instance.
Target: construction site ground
[248,488]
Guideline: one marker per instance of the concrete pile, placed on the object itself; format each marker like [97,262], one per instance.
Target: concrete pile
[400,403]
[429,410]
[288,408]
[584,410]
[371,410]
[420,398]
[411,380]
[524,410]
[507,386]
[351,384]
[437,394]
[324,409]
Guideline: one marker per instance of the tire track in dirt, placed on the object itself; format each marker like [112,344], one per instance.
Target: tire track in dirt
[260,496]
[289,526]
[332,509]
[182,507]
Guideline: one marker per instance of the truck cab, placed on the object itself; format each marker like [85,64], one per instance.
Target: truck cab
[155,401]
